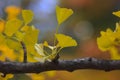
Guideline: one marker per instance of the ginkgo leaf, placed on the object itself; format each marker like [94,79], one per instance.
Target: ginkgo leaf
[2,39]
[19,35]
[65,41]
[114,53]
[25,28]
[117,13]
[117,27]
[31,36]
[106,40]
[62,14]
[39,49]
[27,16]
[30,39]
[12,44]
[2,26]
[12,26]
[47,45]
[42,59]
[117,32]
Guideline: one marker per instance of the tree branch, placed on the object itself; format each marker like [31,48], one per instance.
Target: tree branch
[68,65]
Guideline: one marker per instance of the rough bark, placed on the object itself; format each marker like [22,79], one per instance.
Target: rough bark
[68,65]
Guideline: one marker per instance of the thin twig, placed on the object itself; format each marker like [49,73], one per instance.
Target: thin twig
[25,52]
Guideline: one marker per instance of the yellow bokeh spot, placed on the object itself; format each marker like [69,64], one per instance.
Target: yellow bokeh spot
[8,76]
[51,73]
[117,13]
[6,52]
[12,11]
[2,26]
[37,77]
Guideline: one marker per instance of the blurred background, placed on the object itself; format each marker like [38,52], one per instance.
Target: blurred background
[89,18]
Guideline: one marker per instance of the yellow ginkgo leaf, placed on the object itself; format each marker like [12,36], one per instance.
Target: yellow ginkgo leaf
[12,26]
[117,13]
[45,43]
[2,38]
[39,49]
[12,44]
[25,28]
[114,53]
[2,26]
[30,39]
[31,36]
[117,32]
[62,14]
[106,40]
[117,27]
[19,35]
[27,16]
[65,41]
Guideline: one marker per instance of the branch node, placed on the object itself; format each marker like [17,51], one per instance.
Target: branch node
[55,60]
[90,59]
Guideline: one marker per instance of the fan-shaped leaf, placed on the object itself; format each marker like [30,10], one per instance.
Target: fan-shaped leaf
[12,26]
[65,41]
[63,14]
[27,16]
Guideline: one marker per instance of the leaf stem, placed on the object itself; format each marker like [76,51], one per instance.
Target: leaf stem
[59,50]
[56,33]
[25,52]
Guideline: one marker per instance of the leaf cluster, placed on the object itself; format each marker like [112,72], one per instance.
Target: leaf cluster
[17,36]
[110,40]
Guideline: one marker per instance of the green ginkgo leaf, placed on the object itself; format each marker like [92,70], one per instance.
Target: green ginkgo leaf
[65,41]
[62,14]
[12,26]
[27,16]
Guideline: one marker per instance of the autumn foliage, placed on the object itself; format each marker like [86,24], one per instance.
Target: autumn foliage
[16,31]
